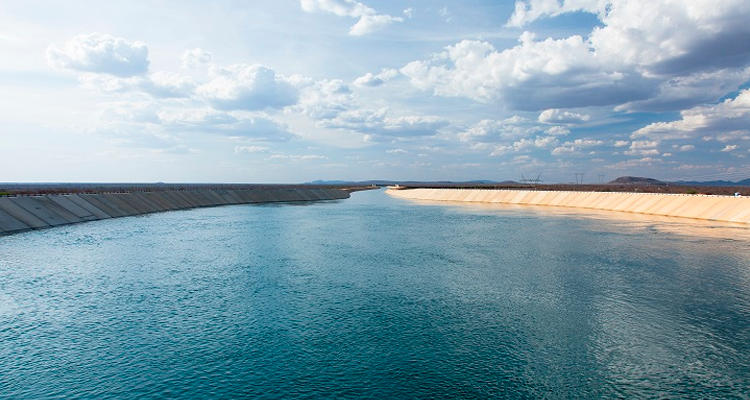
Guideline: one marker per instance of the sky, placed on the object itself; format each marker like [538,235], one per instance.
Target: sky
[291,91]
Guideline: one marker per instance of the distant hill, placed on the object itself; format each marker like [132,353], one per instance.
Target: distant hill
[744,182]
[637,180]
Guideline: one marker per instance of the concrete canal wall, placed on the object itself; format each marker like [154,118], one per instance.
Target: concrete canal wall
[714,208]
[23,213]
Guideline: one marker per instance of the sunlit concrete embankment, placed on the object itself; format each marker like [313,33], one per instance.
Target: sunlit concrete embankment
[24,213]
[713,208]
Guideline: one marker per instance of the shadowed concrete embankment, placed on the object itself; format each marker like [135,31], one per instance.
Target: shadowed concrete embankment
[23,213]
[714,208]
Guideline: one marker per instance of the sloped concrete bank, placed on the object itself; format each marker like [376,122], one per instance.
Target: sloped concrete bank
[23,213]
[714,208]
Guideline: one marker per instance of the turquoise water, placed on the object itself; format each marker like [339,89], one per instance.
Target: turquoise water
[375,297]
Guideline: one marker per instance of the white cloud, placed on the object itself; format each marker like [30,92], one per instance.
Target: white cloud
[529,11]
[535,75]
[326,99]
[168,84]
[557,116]
[621,143]
[645,55]
[686,91]
[730,116]
[247,87]
[250,149]
[335,107]
[251,127]
[674,38]
[585,143]
[195,58]
[643,148]
[369,20]
[564,150]
[134,122]
[412,125]
[131,112]
[158,85]
[525,144]
[409,12]
[642,152]
[557,131]
[371,23]
[305,157]
[644,144]
[397,151]
[100,53]
[376,80]
[730,147]
[493,131]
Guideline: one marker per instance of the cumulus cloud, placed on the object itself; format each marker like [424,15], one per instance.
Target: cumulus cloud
[250,149]
[675,38]
[195,58]
[529,11]
[143,112]
[325,99]
[305,157]
[564,150]
[525,144]
[662,37]
[646,54]
[730,116]
[730,147]
[686,91]
[557,116]
[250,127]
[369,20]
[158,85]
[413,125]
[531,76]
[153,125]
[557,131]
[378,126]
[248,87]
[585,143]
[643,148]
[376,80]
[100,53]
[494,131]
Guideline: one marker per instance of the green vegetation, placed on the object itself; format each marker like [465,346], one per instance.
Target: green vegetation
[4,192]
[691,191]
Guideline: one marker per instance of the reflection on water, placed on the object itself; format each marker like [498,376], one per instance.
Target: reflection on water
[677,225]
[376,297]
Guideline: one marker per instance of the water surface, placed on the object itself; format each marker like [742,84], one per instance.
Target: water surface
[375,297]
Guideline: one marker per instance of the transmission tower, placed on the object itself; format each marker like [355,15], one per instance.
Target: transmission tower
[530,180]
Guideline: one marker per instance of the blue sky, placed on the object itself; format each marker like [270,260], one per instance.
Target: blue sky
[293,91]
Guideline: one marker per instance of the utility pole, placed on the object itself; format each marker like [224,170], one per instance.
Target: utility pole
[579,174]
